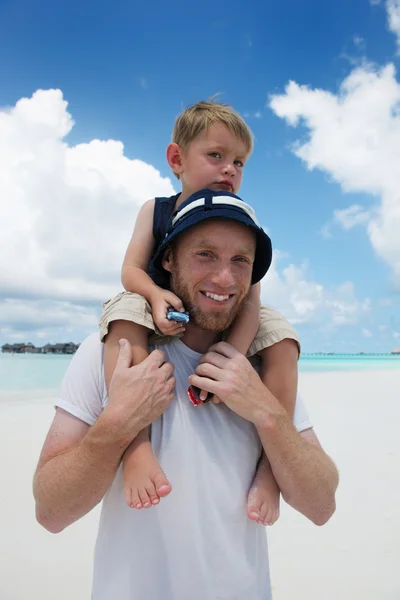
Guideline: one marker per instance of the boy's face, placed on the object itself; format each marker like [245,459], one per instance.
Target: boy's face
[215,160]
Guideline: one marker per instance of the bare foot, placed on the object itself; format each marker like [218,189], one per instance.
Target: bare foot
[145,483]
[264,496]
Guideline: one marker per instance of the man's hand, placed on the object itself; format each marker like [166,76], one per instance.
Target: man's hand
[227,373]
[138,394]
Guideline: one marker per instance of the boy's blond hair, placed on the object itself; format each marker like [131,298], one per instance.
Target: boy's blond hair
[200,116]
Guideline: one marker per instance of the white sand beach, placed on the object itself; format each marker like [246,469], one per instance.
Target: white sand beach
[355,556]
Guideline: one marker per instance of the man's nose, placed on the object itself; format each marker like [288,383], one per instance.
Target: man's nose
[223,276]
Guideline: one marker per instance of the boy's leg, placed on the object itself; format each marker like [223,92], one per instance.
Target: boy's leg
[264,495]
[144,480]
[279,374]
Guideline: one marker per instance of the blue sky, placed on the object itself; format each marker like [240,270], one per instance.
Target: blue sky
[322,178]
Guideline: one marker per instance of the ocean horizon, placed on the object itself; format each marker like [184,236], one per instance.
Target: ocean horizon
[43,373]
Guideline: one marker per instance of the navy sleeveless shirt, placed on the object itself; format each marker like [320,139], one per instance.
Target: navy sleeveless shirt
[163,209]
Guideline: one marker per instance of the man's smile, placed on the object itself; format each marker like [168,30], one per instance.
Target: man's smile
[217,298]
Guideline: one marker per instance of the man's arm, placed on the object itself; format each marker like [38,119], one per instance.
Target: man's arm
[78,463]
[306,475]
[76,467]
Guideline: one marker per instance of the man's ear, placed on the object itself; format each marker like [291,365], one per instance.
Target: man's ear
[167,260]
[174,158]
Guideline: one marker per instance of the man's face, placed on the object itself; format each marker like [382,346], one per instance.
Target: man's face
[211,268]
[214,160]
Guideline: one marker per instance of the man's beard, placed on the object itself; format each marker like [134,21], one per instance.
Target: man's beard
[212,321]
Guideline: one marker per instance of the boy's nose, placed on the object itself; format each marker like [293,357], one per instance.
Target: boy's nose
[229,169]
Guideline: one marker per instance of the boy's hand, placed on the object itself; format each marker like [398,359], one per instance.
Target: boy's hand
[160,303]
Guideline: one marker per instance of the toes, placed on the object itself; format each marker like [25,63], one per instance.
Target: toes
[144,498]
[269,517]
[252,512]
[161,484]
[135,500]
[152,493]
[263,513]
[128,496]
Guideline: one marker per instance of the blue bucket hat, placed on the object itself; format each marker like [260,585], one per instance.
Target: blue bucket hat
[207,204]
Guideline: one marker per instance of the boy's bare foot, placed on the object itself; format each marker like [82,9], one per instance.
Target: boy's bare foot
[145,483]
[264,496]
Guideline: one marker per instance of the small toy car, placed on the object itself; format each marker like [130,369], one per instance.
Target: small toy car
[194,395]
[179,317]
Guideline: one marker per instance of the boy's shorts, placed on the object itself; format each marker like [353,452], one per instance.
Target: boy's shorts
[127,306]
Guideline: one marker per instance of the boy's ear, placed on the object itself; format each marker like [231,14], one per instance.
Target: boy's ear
[174,158]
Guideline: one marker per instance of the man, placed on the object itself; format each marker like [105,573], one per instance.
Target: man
[198,543]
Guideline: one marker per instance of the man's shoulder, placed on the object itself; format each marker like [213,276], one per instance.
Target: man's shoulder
[91,344]
[90,352]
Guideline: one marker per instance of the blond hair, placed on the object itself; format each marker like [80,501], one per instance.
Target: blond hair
[200,116]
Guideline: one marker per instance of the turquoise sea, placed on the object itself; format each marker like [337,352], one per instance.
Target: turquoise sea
[43,373]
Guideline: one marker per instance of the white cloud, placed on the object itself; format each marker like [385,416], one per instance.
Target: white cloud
[325,231]
[66,221]
[393,11]
[354,137]
[302,300]
[359,42]
[257,114]
[393,17]
[67,212]
[352,216]
[366,333]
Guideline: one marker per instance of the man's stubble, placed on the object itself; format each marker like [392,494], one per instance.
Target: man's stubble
[215,321]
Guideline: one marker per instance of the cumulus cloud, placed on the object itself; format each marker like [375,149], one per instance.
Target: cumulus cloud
[354,137]
[393,11]
[65,221]
[67,211]
[393,16]
[293,292]
[352,216]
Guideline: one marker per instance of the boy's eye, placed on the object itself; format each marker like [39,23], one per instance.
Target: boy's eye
[239,163]
[215,154]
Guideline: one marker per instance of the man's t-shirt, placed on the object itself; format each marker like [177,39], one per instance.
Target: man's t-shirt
[198,543]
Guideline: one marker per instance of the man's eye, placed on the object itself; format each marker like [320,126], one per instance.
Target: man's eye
[242,259]
[204,253]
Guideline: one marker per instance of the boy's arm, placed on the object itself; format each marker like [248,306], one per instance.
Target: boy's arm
[246,324]
[138,254]
[134,272]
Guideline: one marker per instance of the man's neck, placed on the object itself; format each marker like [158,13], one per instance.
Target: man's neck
[198,339]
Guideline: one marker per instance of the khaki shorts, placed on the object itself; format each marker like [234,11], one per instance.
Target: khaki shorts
[131,307]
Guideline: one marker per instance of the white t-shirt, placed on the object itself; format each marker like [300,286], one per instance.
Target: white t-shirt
[198,543]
